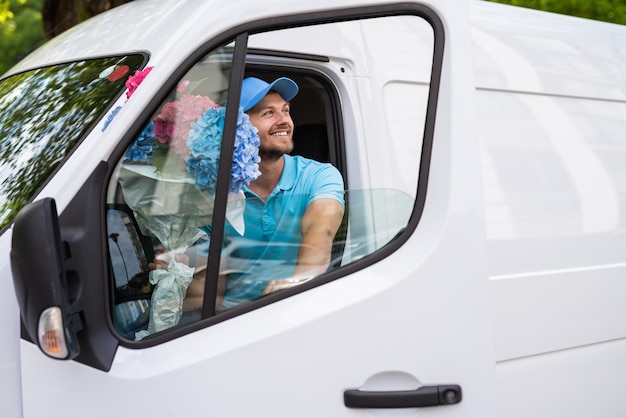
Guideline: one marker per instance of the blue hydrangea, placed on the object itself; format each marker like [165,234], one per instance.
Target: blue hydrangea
[143,148]
[245,167]
[205,140]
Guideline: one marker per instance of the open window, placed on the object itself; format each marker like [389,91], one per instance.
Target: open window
[368,86]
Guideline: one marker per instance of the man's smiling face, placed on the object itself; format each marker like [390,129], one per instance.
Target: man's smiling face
[271,117]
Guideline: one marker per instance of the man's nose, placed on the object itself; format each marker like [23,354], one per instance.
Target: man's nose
[284,118]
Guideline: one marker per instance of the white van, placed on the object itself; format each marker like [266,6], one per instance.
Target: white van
[480,270]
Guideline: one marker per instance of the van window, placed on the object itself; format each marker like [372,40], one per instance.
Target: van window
[164,190]
[45,113]
[178,256]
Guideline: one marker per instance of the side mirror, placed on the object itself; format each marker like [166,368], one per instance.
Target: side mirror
[37,261]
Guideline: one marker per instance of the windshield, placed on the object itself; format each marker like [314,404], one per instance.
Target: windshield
[43,115]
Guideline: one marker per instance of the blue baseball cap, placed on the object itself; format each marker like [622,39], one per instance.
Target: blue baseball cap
[254,89]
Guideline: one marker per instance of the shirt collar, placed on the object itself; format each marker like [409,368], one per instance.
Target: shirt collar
[288,176]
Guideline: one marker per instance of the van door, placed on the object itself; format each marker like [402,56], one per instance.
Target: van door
[397,324]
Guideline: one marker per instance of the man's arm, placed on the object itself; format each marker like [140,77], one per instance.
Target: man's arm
[320,223]
[319,226]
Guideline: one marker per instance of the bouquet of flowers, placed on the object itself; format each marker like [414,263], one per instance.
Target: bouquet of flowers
[169,178]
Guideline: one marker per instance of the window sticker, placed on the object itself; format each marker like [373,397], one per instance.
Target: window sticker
[131,84]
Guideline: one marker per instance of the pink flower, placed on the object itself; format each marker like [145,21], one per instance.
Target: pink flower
[135,80]
[164,123]
[172,125]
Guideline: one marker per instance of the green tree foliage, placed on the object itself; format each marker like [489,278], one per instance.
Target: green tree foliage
[5,11]
[21,30]
[606,10]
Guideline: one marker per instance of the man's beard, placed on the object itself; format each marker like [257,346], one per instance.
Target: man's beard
[272,153]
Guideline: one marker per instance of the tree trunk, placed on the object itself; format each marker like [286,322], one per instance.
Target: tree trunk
[60,15]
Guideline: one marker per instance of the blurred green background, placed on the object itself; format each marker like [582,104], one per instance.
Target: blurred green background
[22,22]
[21,30]
[607,10]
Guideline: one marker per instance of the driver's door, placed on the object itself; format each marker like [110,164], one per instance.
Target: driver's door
[399,323]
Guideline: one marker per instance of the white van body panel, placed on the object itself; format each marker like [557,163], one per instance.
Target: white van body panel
[553,148]
[559,221]
[511,284]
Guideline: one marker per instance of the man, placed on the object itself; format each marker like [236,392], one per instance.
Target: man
[293,209]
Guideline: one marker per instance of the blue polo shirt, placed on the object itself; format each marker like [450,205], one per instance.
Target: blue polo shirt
[269,247]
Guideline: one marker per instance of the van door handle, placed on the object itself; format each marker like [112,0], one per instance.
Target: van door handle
[420,397]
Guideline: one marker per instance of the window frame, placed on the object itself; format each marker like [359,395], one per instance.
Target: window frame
[240,36]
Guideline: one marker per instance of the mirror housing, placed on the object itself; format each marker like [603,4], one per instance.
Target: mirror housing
[39,277]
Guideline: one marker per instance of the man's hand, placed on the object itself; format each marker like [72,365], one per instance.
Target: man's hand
[162,260]
[275,285]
